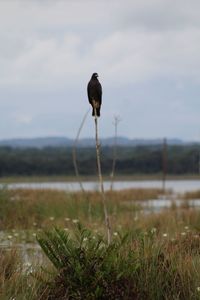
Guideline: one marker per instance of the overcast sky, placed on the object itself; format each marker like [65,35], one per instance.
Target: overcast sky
[146,52]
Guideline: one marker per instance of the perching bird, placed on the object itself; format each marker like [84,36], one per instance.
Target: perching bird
[94,91]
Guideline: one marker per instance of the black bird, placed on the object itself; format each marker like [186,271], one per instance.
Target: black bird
[94,91]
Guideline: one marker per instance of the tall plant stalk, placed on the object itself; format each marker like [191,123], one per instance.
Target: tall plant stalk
[74,156]
[164,163]
[74,152]
[103,196]
[116,122]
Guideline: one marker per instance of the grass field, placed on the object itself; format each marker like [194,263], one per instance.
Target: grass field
[152,256]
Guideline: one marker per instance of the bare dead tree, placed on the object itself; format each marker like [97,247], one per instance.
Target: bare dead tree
[103,196]
[115,123]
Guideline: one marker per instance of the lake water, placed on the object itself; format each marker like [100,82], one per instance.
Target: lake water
[176,186]
[32,251]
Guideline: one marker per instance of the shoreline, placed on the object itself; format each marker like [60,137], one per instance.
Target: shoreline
[57,178]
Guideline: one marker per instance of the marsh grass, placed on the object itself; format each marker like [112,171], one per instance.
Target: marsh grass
[15,281]
[136,265]
[33,209]
[154,256]
[21,209]
[192,195]
[132,267]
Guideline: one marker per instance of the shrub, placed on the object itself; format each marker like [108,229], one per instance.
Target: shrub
[88,268]
[132,267]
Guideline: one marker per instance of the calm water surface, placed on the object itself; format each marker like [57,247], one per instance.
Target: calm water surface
[177,186]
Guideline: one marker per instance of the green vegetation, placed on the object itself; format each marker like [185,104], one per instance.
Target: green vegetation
[151,256]
[86,267]
[16,281]
[130,160]
[22,209]
[134,266]
[93,178]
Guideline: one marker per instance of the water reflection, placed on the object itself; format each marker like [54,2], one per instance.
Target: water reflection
[30,252]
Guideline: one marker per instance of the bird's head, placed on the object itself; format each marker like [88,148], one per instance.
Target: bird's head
[95,75]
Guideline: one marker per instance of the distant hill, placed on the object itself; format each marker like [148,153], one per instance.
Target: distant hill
[39,142]
[42,142]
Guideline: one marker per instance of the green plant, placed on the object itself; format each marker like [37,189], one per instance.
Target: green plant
[88,268]
[132,266]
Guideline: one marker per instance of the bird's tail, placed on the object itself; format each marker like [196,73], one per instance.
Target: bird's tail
[95,104]
[97,112]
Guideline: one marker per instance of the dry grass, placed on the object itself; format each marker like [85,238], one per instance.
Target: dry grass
[9,266]
[192,195]
[24,208]
[166,245]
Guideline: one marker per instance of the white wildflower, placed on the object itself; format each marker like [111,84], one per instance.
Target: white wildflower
[51,218]
[27,264]
[115,233]
[164,234]
[75,221]
[153,230]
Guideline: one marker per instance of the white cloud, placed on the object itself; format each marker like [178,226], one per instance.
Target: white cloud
[22,118]
[45,41]
[123,56]
[56,45]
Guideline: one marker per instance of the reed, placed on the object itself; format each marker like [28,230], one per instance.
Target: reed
[74,156]
[103,196]
[112,175]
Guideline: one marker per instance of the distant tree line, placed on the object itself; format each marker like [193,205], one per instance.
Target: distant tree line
[183,159]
